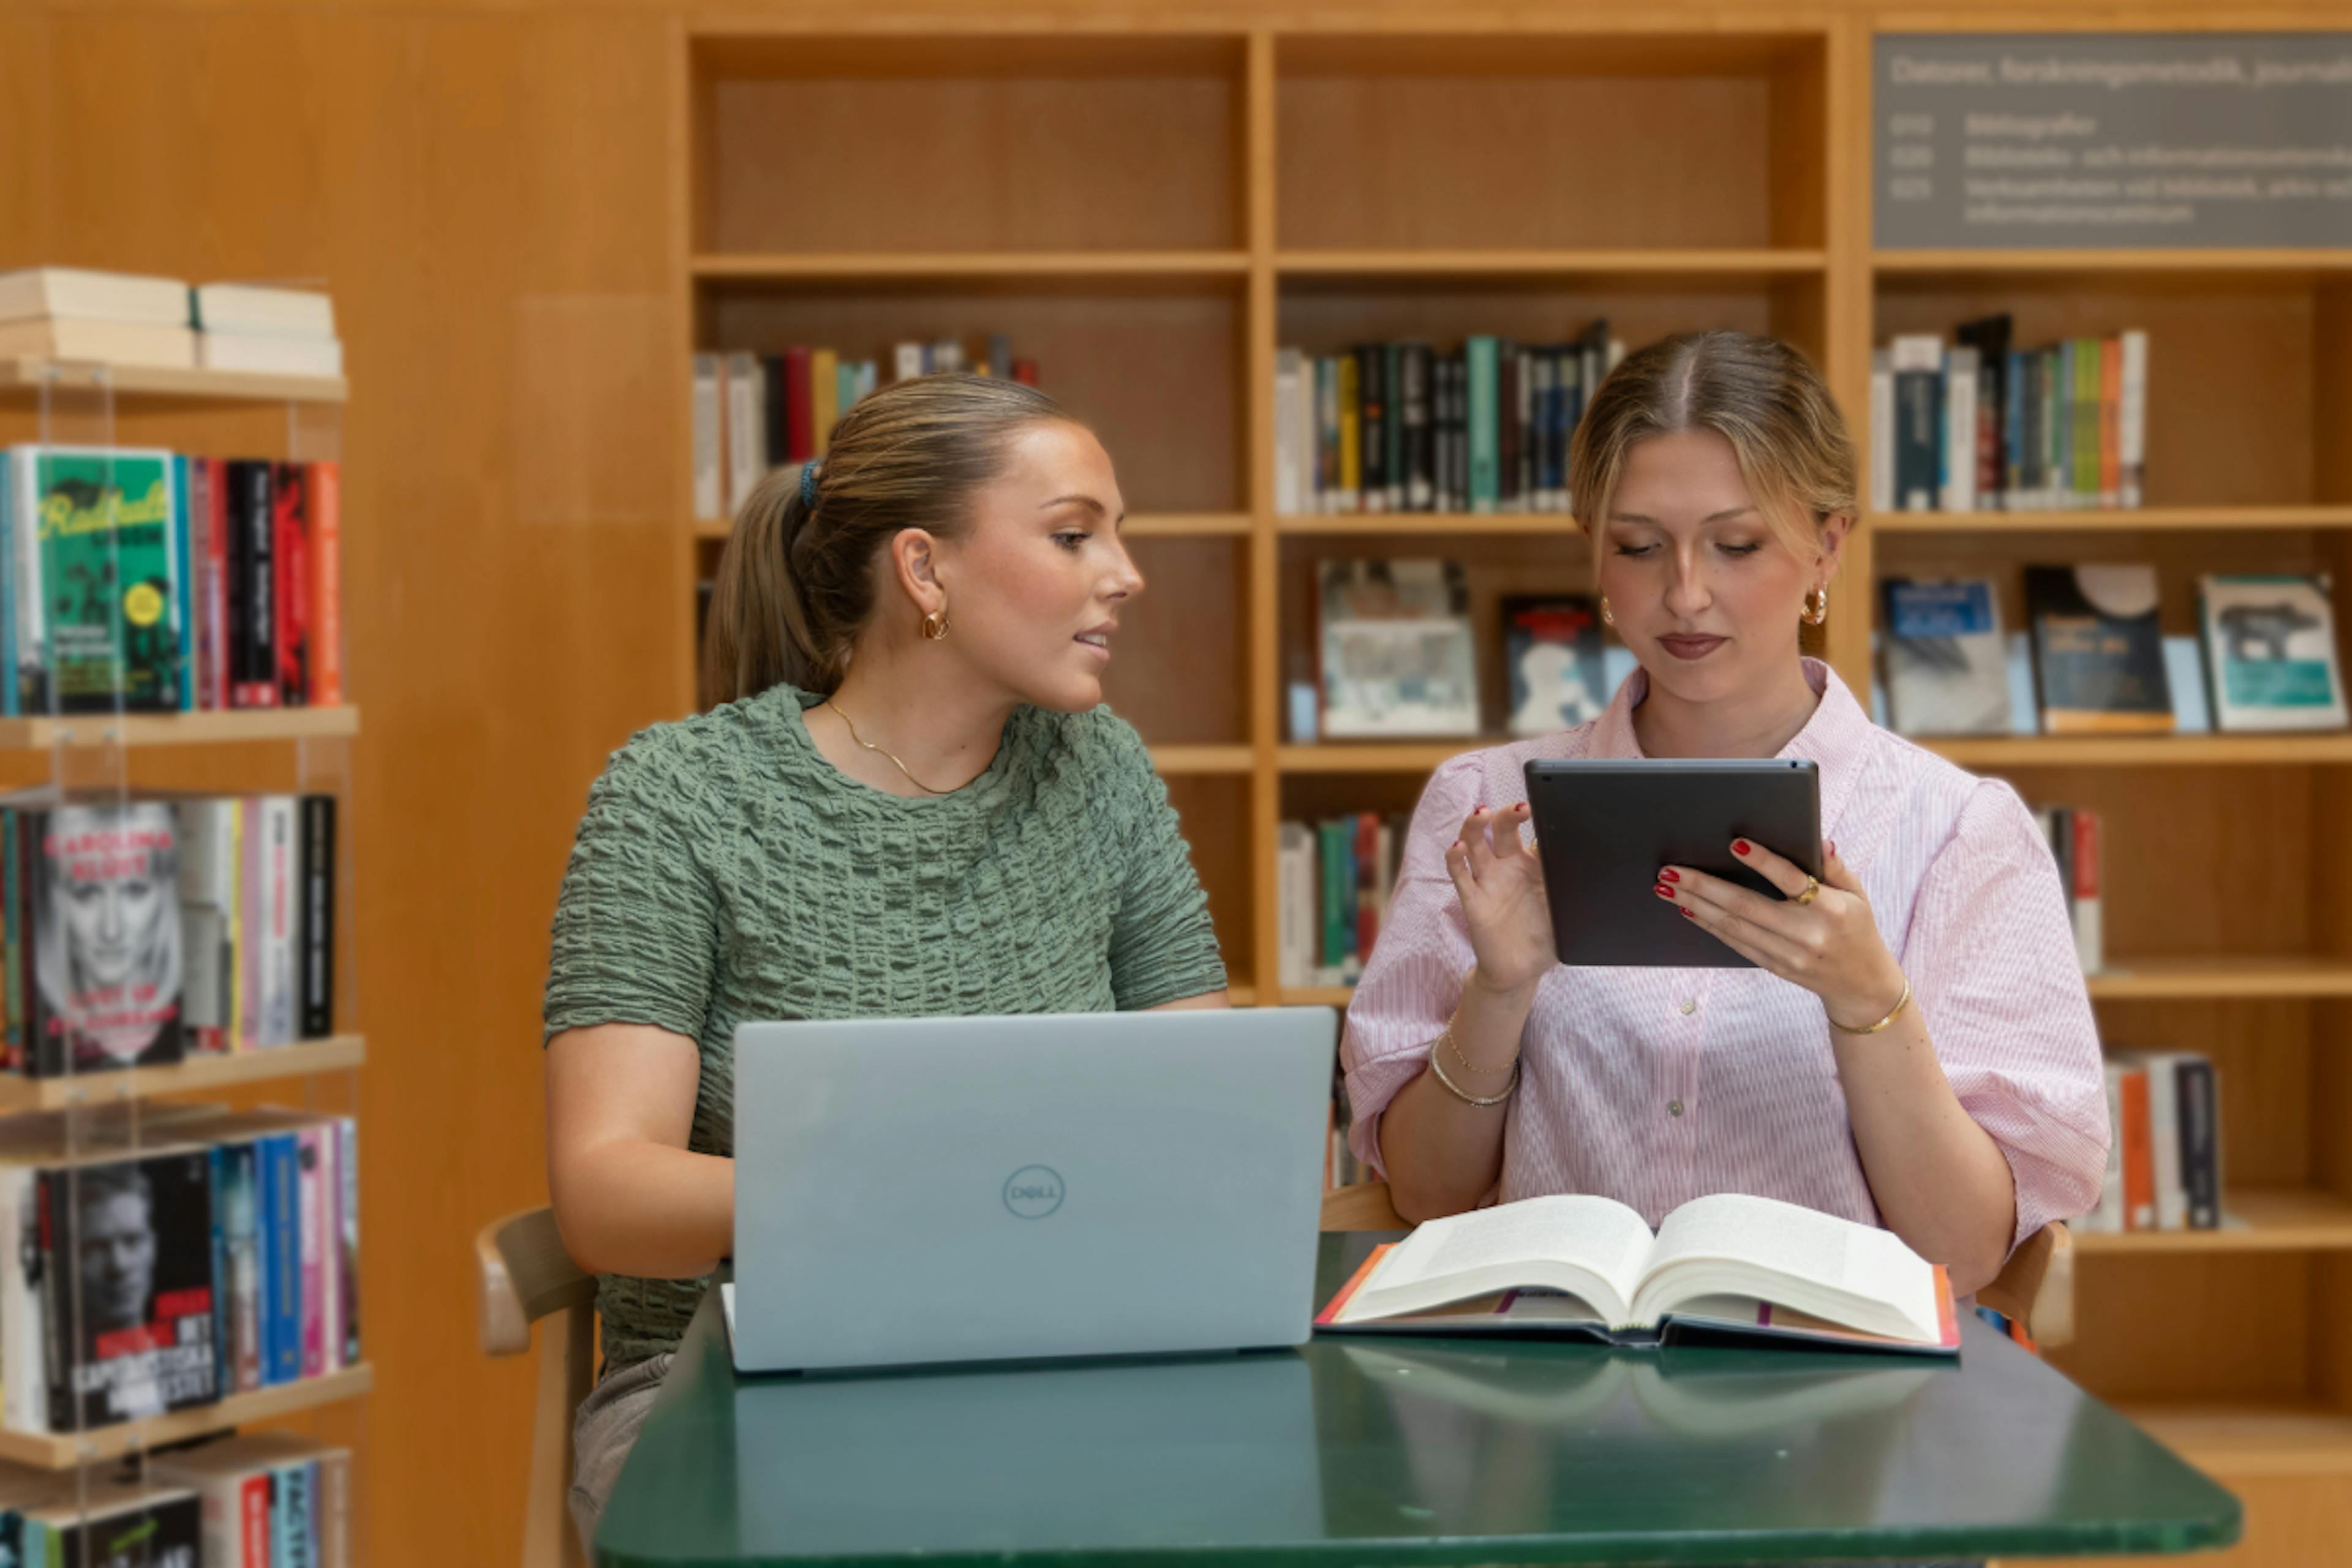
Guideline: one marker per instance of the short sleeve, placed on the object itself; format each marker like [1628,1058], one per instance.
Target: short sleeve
[636,938]
[1163,947]
[1990,956]
[1412,981]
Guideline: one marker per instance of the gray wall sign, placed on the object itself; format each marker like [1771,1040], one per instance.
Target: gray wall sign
[2000,141]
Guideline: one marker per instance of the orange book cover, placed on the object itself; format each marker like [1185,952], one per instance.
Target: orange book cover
[326,586]
[2139,1157]
[2111,410]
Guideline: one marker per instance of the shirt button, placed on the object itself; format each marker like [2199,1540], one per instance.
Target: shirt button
[1690,1005]
[1673,1108]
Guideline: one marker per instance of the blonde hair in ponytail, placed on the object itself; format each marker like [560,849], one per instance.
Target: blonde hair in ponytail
[796,583]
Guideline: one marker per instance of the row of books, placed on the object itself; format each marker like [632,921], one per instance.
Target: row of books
[261,1500]
[1979,426]
[149,581]
[2164,1155]
[219,1256]
[1333,879]
[141,932]
[2074,832]
[752,412]
[2095,659]
[115,318]
[1401,426]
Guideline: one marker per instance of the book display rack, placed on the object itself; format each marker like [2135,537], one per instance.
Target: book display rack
[1152,215]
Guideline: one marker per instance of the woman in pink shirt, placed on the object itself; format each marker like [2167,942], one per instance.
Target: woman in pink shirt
[1914,1047]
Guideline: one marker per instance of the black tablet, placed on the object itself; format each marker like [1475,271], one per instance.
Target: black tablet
[1604,829]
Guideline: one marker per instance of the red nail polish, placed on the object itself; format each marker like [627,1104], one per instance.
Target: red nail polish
[1670,875]
[1739,846]
[1689,916]
[1664,891]
[1829,849]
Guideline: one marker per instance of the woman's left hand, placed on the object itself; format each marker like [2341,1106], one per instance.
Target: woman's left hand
[1830,946]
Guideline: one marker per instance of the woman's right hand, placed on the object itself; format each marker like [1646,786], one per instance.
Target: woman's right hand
[1500,883]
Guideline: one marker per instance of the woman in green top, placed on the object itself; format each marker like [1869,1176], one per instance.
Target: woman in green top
[906,802]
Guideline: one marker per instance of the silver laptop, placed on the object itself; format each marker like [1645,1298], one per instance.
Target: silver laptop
[972,1189]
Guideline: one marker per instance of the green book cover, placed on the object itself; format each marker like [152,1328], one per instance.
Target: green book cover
[107,579]
[1485,451]
[1332,861]
[2086,472]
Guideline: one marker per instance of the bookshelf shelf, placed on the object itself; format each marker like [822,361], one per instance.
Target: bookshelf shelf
[1376,756]
[1362,524]
[1147,525]
[1185,761]
[1997,752]
[22,377]
[197,1074]
[2275,1220]
[1319,996]
[2098,262]
[2237,1440]
[62,1451]
[2246,976]
[2249,518]
[1634,268]
[179,729]
[865,269]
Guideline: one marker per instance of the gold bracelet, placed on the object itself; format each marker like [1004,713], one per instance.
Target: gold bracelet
[1455,1045]
[1900,1003]
[1437,1066]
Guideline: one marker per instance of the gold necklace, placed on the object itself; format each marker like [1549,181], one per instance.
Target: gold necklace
[872,747]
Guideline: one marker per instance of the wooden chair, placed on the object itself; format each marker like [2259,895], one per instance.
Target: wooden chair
[525,1274]
[2036,1288]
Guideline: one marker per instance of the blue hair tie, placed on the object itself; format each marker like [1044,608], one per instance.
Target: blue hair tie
[808,483]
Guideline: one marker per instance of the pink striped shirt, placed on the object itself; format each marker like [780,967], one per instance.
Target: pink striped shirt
[1657,1086]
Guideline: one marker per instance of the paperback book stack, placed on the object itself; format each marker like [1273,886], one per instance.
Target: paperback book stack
[146,580]
[220,1257]
[1980,425]
[1334,880]
[752,412]
[2164,1157]
[103,318]
[1403,426]
[141,932]
[267,1500]
[270,331]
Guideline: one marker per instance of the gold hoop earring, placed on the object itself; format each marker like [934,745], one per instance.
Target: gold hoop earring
[1817,604]
[1608,616]
[935,625]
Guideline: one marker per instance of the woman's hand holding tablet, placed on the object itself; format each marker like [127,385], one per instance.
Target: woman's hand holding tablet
[1823,936]
[1501,885]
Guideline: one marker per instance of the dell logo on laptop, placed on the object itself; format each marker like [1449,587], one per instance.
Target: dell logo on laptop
[1032,1192]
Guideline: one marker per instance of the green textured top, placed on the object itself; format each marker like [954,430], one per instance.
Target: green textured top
[727,873]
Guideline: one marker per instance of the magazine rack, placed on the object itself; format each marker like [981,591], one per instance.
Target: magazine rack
[148,1089]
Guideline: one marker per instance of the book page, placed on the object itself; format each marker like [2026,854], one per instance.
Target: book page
[1599,1235]
[1822,1264]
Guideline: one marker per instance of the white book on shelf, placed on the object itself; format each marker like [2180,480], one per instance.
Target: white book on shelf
[1881,431]
[1962,364]
[259,310]
[2106,1217]
[747,430]
[264,356]
[708,492]
[2164,1133]
[1295,894]
[23,1399]
[85,295]
[1288,436]
[2131,419]
[142,343]
[907,361]
[280,992]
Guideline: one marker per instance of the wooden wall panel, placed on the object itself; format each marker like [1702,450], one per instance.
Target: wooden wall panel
[484,195]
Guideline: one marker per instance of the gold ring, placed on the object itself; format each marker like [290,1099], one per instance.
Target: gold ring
[1813,891]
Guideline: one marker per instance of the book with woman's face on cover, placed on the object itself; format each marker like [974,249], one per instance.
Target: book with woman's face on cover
[104,920]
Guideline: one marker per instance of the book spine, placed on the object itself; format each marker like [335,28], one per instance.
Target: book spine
[326,578]
[12,952]
[57,1348]
[2139,1169]
[1882,432]
[2054,383]
[318,924]
[1351,431]
[1286,434]
[253,1520]
[1372,393]
[334,1509]
[310,1199]
[1392,422]
[1368,907]
[267,1262]
[799,406]
[2086,470]
[218,626]
[1992,372]
[11,698]
[775,415]
[281,979]
[1290,917]
[285,1257]
[824,397]
[1345,892]
[246,1288]
[2201,1143]
[291,557]
[2089,927]
[1326,433]
[2164,1143]
[747,440]
[244,877]
[905,362]
[179,690]
[347,1217]
[1919,437]
[1332,866]
[1510,433]
[31,639]
[1413,408]
[1481,411]
[1960,448]
[707,488]
[256,592]
[2016,398]
[2131,421]
[221,1161]
[2111,402]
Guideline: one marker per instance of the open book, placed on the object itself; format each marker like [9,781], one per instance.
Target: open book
[1726,1265]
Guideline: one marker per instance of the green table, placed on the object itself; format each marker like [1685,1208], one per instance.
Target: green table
[1400,1450]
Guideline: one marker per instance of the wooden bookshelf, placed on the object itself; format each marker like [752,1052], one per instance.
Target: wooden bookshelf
[21,377]
[197,1074]
[202,729]
[63,1451]
[1218,198]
